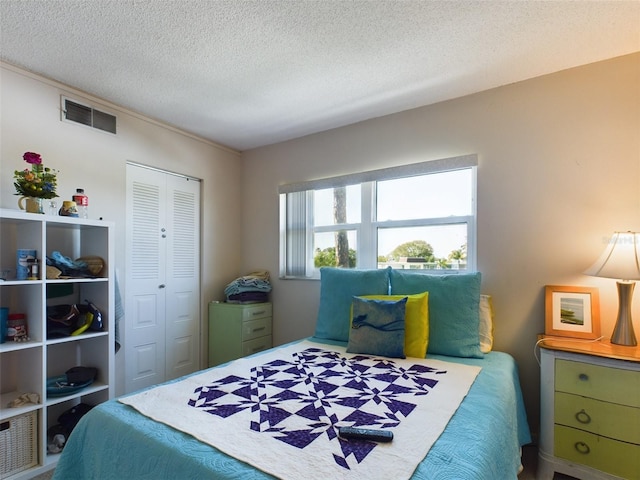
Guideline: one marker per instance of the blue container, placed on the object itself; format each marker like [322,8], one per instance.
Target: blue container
[4,320]
[24,255]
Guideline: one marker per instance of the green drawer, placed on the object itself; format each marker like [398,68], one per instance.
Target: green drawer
[256,345]
[259,310]
[611,420]
[602,383]
[611,456]
[232,325]
[256,328]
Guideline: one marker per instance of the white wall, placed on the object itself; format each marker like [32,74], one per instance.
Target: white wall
[559,170]
[95,161]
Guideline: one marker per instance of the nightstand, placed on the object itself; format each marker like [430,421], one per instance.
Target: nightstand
[237,330]
[590,409]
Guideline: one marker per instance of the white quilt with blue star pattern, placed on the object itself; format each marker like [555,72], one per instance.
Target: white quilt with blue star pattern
[280,411]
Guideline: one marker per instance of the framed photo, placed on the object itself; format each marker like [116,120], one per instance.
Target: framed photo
[572,312]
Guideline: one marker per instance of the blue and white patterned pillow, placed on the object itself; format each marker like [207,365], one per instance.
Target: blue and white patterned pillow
[378,327]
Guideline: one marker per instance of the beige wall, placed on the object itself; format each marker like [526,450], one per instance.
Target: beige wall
[559,170]
[95,161]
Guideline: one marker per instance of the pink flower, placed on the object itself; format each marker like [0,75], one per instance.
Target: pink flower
[38,181]
[32,158]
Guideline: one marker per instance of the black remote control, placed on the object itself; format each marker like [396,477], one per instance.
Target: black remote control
[365,434]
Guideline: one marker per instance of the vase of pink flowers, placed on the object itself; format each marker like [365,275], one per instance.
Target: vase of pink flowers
[34,184]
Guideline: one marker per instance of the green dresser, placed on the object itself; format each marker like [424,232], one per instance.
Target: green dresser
[238,330]
[590,413]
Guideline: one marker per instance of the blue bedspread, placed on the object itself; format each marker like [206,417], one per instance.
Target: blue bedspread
[482,440]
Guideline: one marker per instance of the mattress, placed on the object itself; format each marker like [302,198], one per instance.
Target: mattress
[481,441]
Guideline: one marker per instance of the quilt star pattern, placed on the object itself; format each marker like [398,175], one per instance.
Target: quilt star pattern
[295,401]
[280,411]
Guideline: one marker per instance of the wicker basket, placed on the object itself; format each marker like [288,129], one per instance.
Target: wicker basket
[18,444]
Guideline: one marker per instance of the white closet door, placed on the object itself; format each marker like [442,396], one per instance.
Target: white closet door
[183,277]
[145,271]
[163,277]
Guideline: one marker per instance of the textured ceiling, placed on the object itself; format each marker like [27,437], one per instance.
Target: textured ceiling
[251,73]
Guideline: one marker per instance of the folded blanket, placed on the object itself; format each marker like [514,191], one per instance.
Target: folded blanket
[253,282]
[248,297]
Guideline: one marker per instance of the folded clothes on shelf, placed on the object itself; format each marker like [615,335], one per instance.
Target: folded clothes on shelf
[250,288]
[248,297]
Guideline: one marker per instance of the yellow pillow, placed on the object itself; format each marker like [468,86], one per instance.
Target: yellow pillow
[486,323]
[416,318]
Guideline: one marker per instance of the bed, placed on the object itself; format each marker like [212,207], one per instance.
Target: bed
[479,438]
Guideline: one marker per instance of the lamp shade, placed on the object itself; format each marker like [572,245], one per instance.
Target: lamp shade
[620,259]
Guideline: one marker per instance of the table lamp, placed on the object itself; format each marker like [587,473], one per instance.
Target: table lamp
[621,260]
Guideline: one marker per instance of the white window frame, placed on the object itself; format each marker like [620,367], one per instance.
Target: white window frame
[366,230]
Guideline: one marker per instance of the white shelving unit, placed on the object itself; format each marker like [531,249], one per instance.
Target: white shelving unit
[26,366]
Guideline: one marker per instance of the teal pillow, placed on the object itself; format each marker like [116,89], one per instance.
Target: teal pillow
[453,309]
[378,327]
[338,286]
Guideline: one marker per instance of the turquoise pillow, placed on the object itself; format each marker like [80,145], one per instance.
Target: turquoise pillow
[338,286]
[453,309]
[378,327]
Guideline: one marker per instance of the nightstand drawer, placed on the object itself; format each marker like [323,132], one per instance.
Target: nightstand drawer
[611,420]
[261,310]
[611,456]
[236,330]
[256,345]
[256,328]
[603,383]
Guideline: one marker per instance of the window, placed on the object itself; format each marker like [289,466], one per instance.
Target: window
[419,216]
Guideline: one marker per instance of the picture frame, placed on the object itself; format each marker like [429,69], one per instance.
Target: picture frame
[572,312]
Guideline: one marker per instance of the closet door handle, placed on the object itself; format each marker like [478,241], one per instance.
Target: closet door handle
[162,285]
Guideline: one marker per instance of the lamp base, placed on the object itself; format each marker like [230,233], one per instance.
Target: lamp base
[623,333]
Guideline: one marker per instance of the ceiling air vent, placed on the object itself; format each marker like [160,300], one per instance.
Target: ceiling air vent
[76,112]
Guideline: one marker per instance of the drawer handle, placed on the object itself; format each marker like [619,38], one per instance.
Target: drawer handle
[258,349]
[582,448]
[258,313]
[583,417]
[259,329]
[583,377]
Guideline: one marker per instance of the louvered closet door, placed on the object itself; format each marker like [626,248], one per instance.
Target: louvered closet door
[183,277]
[163,277]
